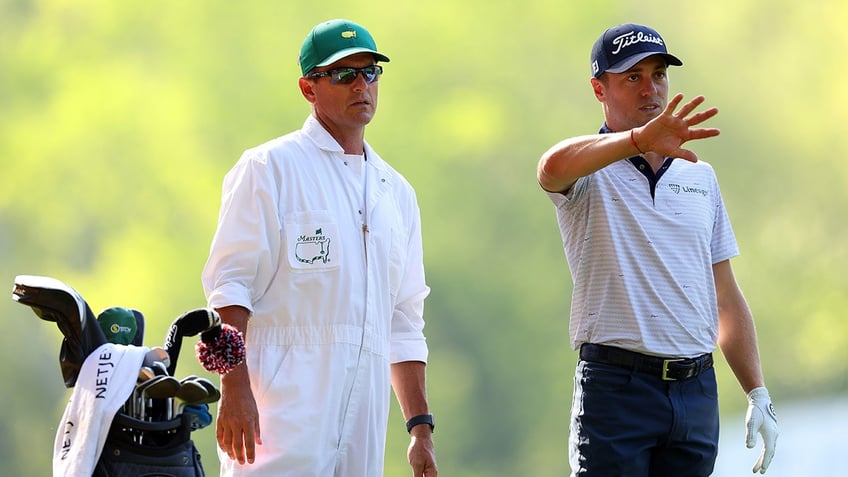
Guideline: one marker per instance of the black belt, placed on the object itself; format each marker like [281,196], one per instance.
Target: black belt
[669,369]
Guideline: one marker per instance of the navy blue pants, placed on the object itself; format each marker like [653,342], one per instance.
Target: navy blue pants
[630,424]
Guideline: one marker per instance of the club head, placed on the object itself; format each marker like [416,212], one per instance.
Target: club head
[212,391]
[159,368]
[192,392]
[160,387]
[145,374]
[156,354]
[157,394]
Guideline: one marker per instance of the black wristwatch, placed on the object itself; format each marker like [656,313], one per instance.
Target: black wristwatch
[421,419]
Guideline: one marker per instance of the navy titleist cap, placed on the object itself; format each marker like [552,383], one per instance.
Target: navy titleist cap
[622,46]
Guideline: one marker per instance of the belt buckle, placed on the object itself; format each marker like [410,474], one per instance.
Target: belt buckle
[666,362]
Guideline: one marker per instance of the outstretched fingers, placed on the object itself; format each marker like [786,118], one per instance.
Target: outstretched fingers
[672,105]
[698,133]
[693,119]
[689,106]
[685,154]
[703,133]
[698,118]
[701,116]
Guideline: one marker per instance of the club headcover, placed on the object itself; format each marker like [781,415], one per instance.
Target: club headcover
[53,300]
[118,325]
[198,416]
[220,349]
[139,327]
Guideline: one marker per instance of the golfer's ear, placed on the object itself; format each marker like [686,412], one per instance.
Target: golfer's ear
[599,88]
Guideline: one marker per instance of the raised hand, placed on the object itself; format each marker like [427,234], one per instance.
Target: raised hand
[666,134]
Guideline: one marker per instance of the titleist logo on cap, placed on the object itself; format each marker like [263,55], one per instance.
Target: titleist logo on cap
[629,38]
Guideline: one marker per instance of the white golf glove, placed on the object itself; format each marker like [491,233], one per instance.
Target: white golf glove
[761,419]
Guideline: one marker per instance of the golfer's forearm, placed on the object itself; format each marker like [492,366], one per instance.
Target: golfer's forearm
[738,344]
[581,156]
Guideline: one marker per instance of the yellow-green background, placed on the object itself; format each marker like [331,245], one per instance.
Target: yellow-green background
[118,120]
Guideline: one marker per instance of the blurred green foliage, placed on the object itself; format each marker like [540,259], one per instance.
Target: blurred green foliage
[118,121]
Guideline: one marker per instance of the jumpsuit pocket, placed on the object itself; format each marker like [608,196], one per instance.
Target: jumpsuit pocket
[268,364]
[312,241]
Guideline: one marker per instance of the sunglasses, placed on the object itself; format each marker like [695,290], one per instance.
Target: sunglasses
[348,75]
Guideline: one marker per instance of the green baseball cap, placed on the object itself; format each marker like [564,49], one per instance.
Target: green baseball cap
[118,324]
[333,40]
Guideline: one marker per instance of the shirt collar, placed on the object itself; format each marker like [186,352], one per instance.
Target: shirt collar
[320,136]
[325,141]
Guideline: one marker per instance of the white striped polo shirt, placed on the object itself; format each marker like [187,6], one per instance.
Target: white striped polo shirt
[642,266]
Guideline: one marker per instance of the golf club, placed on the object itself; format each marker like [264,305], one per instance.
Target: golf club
[158,387]
[156,354]
[214,394]
[159,368]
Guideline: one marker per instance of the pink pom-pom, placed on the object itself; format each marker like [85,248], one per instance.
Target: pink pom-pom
[220,349]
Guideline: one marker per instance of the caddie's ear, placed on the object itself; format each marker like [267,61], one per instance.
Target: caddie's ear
[307,89]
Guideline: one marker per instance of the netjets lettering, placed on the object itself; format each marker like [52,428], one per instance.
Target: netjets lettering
[627,39]
[105,366]
[67,440]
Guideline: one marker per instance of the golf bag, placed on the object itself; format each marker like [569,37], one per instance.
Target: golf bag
[149,435]
[143,448]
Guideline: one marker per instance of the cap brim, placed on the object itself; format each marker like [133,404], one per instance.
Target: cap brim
[631,62]
[349,52]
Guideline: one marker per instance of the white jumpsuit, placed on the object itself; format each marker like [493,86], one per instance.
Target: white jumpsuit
[330,263]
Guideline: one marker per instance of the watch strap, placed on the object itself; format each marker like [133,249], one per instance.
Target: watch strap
[421,419]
